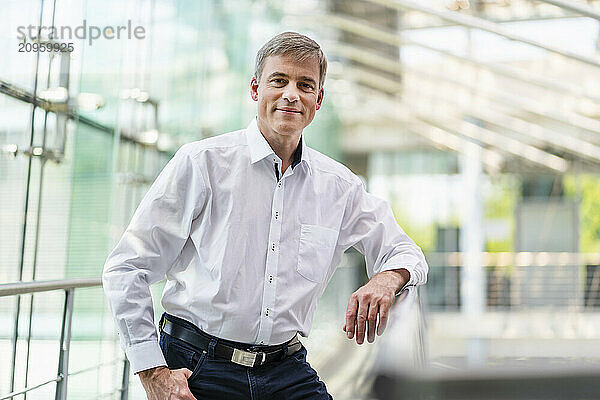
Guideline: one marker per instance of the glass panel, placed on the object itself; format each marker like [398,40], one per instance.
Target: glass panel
[15,120]
[55,211]
[89,203]
[17,67]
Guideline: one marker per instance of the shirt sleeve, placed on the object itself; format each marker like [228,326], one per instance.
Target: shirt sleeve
[151,243]
[369,225]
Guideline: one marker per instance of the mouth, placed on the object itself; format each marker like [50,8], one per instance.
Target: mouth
[291,111]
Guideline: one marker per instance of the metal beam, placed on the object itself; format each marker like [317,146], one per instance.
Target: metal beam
[11,289]
[522,128]
[489,137]
[575,6]
[59,108]
[362,28]
[438,137]
[387,64]
[540,134]
[485,25]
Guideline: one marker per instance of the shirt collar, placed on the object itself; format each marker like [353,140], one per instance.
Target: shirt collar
[259,147]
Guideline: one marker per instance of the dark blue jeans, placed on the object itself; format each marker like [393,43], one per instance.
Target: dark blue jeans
[215,378]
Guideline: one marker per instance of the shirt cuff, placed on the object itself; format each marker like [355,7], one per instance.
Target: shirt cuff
[145,355]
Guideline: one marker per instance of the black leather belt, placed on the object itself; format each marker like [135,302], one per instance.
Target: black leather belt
[248,357]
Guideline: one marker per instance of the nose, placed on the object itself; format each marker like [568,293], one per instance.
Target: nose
[290,93]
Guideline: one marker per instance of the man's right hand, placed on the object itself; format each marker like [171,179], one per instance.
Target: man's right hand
[161,383]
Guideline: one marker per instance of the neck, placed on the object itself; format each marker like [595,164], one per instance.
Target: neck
[283,145]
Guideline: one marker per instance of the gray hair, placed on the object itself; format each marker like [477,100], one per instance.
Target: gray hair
[299,46]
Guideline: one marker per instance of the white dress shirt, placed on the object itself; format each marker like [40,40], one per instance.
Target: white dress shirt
[246,255]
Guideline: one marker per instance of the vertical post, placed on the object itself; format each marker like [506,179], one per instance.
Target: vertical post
[422,355]
[125,382]
[15,338]
[472,286]
[65,343]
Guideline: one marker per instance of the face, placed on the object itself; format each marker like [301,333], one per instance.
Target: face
[288,96]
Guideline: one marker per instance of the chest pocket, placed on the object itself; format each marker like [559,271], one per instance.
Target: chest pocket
[315,252]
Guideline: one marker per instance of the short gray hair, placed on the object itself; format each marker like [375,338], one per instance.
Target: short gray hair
[299,46]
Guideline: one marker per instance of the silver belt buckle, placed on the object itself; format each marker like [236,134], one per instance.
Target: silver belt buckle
[246,358]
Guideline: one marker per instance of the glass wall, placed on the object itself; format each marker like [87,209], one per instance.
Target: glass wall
[83,134]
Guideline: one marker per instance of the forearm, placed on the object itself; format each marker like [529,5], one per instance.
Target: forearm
[394,279]
[130,302]
[397,278]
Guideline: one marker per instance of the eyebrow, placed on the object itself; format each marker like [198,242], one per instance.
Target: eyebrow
[302,78]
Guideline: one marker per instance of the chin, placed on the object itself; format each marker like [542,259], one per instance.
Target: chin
[288,129]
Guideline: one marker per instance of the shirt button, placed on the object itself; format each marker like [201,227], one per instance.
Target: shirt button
[276,214]
[267,312]
[279,185]
[273,247]
[270,278]
[262,342]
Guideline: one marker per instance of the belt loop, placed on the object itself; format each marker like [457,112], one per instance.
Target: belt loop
[211,348]
[284,353]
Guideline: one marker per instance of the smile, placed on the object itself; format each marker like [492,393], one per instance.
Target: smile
[288,111]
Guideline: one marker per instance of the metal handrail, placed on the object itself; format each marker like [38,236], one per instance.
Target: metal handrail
[69,286]
[95,367]
[14,288]
[25,390]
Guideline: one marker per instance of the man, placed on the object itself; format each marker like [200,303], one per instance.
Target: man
[248,228]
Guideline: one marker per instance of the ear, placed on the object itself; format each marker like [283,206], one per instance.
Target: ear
[254,89]
[320,98]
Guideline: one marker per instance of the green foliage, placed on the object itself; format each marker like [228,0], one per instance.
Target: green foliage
[424,236]
[500,205]
[501,202]
[498,246]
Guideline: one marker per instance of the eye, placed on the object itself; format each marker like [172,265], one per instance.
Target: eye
[278,81]
[306,86]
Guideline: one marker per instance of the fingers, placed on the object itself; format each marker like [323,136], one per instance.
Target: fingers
[351,316]
[183,390]
[186,372]
[383,319]
[188,395]
[367,313]
[361,320]
[372,321]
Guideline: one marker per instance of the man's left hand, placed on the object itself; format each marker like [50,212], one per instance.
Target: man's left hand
[372,300]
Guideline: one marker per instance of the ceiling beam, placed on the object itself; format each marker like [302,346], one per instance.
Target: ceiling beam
[574,6]
[456,126]
[525,129]
[485,25]
[363,28]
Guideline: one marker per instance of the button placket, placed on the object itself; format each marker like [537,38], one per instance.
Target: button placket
[270,283]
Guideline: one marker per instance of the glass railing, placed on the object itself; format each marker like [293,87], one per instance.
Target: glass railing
[65,350]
